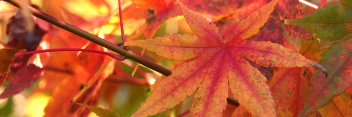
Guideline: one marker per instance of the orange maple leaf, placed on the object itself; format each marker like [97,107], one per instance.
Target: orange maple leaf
[215,60]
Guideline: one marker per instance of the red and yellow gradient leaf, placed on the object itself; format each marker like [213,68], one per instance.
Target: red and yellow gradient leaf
[249,26]
[249,87]
[217,7]
[170,91]
[289,88]
[271,54]
[157,12]
[175,46]
[211,66]
[210,97]
[200,25]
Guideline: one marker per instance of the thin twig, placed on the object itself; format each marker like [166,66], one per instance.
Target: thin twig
[98,40]
[115,56]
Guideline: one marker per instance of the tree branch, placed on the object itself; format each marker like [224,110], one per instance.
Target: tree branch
[98,40]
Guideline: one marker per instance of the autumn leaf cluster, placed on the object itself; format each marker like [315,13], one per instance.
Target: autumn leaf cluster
[235,58]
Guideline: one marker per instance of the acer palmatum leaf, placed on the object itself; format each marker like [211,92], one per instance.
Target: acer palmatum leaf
[158,12]
[337,59]
[340,105]
[214,62]
[22,79]
[217,7]
[329,23]
[67,71]
[21,37]
[101,112]
[289,87]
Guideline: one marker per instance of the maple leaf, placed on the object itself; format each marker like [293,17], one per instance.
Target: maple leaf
[339,79]
[311,49]
[289,88]
[275,31]
[21,37]
[329,23]
[216,7]
[215,60]
[158,12]
[289,9]
[66,72]
[100,111]
[339,106]
[23,79]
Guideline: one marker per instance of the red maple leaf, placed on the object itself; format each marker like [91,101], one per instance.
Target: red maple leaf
[215,60]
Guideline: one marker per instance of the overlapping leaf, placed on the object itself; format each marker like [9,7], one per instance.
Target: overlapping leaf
[158,12]
[216,7]
[215,60]
[289,88]
[24,78]
[339,106]
[338,62]
[330,23]
[23,73]
[22,38]
[67,72]
[100,111]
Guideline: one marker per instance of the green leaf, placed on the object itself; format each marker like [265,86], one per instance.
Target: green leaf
[330,23]
[100,111]
[347,3]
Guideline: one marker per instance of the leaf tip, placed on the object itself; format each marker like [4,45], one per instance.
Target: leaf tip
[320,68]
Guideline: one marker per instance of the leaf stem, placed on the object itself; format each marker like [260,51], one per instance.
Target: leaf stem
[97,40]
[121,23]
[118,57]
